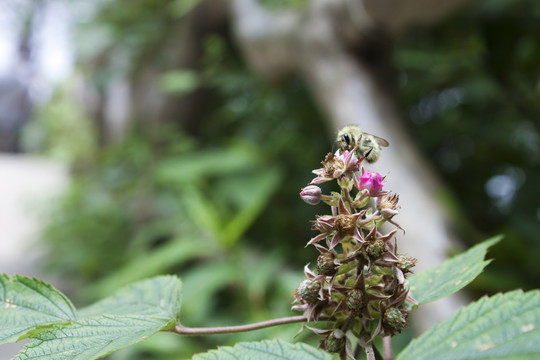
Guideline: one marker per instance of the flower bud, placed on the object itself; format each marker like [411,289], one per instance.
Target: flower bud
[354,300]
[394,321]
[308,290]
[376,248]
[345,224]
[334,342]
[325,264]
[345,183]
[406,263]
[311,194]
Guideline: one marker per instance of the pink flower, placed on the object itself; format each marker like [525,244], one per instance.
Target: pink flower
[370,182]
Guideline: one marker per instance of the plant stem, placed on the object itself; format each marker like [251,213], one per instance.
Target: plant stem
[387,348]
[369,351]
[182,330]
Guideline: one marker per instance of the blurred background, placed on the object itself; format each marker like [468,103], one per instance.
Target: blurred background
[145,137]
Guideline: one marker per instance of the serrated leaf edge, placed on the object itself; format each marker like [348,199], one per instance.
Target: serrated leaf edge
[480,302]
[482,248]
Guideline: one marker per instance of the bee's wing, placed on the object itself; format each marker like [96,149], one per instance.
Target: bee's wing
[380,140]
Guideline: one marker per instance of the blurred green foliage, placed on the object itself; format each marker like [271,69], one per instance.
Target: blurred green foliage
[188,210]
[182,7]
[63,130]
[283,4]
[470,88]
[179,82]
[222,209]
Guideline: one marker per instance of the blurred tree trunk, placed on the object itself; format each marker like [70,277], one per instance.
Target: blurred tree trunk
[340,48]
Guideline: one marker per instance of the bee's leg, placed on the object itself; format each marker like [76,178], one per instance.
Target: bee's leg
[371,156]
[366,155]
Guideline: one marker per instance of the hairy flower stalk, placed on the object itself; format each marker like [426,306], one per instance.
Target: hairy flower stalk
[360,281]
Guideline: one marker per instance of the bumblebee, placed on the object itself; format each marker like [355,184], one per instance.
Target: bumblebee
[367,145]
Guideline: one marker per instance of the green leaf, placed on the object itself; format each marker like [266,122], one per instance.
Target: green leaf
[503,327]
[158,297]
[27,302]
[90,338]
[452,275]
[265,350]
[131,315]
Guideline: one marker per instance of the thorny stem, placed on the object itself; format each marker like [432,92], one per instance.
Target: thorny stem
[182,330]
[387,348]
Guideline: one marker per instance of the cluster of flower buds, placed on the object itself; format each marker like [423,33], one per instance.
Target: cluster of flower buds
[359,283]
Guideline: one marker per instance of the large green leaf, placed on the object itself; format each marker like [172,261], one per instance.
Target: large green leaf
[158,297]
[130,315]
[503,327]
[89,338]
[265,350]
[452,275]
[27,302]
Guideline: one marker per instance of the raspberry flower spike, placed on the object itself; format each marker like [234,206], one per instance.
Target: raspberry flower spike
[365,278]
